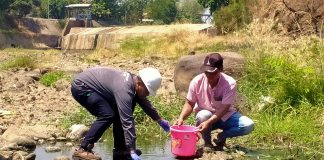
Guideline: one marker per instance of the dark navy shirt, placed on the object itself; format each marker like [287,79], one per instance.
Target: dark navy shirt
[118,88]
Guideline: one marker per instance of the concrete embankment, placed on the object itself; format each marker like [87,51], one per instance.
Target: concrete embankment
[108,37]
[30,32]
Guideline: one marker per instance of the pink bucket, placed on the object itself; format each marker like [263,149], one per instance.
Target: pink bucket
[183,140]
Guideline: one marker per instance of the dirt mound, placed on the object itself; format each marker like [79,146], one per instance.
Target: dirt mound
[298,17]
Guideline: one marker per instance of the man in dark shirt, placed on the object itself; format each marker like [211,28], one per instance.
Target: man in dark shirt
[111,95]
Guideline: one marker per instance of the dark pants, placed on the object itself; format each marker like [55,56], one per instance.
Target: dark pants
[105,113]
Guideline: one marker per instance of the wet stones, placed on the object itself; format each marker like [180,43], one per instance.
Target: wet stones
[52,149]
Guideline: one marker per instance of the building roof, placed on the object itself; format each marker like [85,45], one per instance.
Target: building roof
[78,6]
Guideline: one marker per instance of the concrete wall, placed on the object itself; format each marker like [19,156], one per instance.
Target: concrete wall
[30,32]
[108,37]
[28,40]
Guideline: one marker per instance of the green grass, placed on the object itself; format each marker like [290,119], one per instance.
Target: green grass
[136,46]
[291,73]
[81,116]
[18,62]
[50,78]
[296,127]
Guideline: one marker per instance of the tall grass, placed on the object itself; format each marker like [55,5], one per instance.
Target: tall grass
[289,72]
[18,62]
[171,45]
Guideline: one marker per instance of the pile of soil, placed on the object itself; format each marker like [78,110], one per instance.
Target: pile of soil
[297,17]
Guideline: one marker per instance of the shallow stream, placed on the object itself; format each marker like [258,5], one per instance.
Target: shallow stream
[153,148]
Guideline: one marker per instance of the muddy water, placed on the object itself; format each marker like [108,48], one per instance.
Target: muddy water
[157,150]
[154,148]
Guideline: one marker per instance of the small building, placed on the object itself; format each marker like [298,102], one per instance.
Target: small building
[79,11]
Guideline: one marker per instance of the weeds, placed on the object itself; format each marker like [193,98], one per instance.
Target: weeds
[50,78]
[80,116]
[135,46]
[290,72]
[18,62]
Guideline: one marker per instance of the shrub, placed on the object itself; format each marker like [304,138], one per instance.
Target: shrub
[233,17]
[50,78]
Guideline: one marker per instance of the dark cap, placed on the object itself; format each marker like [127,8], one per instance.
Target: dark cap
[212,62]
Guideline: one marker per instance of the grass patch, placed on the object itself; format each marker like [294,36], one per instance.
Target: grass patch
[172,45]
[298,127]
[285,81]
[18,62]
[216,47]
[50,78]
[80,116]
[136,46]
[283,84]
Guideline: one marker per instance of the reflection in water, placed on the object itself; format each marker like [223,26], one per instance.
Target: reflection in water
[152,151]
[158,149]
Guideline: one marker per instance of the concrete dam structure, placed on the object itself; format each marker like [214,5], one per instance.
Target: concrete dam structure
[108,37]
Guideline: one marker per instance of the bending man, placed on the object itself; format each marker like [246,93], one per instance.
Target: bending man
[111,95]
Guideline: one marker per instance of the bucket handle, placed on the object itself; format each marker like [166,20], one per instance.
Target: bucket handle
[198,135]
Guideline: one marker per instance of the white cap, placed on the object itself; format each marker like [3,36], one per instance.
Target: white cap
[151,78]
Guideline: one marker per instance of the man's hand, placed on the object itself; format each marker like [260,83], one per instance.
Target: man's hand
[134,156]
[179,122]
[203,126]
[165,125]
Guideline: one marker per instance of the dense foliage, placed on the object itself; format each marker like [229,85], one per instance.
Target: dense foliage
[234,16]
[213,5]
[163,10]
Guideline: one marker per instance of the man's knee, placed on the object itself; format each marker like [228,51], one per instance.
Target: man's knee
[246,124]
[202,116]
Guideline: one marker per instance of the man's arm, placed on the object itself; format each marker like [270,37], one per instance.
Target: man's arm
[186,111]
[147,107]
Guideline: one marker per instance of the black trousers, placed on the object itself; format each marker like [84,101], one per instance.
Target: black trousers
[105,114]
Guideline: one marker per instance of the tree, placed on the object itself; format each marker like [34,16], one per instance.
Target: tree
[98,9]
[4,4]
[189,11]
[163,10]
[213,5]
[108,10]
[54,8]
[57,8]
[21,7]
[234,16]
[133,10]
